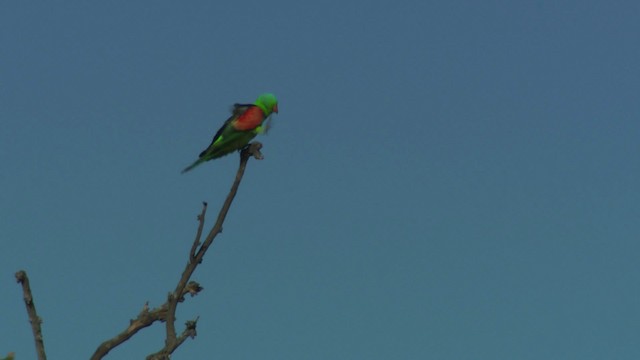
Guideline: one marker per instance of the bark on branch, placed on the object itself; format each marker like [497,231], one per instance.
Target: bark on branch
[34,319]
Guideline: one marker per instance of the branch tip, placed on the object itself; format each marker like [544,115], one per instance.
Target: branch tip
[34,319]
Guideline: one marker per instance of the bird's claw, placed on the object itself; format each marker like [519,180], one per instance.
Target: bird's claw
[253,149]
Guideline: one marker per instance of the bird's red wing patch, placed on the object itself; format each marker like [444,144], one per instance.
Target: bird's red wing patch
[249,120]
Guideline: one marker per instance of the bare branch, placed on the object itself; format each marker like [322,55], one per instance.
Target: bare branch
[145,319]
[252,150]
[167,312]
[34,319]
[165,352]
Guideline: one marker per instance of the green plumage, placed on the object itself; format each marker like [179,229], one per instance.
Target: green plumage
[244,124]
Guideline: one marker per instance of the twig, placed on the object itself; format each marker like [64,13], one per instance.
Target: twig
[189,332]
[144,319]
[196,242]
[34,319]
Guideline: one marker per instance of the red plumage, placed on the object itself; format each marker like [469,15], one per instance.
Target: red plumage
[250,119]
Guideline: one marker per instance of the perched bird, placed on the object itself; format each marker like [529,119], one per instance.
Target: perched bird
[243,125]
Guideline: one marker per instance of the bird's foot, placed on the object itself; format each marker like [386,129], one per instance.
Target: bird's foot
[253,149]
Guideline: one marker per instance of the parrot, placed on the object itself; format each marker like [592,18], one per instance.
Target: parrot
[243,125]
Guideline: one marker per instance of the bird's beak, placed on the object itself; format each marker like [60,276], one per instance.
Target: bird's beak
[275,109]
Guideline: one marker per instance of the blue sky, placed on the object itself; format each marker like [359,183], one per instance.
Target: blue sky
[445,179]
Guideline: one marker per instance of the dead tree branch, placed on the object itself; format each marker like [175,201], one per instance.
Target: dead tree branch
[34,319]
[167,312]
[145,319]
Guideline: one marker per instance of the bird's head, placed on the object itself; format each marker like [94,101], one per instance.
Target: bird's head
[268,103]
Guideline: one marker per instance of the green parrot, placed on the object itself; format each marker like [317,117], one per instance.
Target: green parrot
[243,125]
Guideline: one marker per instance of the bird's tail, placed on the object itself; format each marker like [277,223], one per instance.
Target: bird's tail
[195,163]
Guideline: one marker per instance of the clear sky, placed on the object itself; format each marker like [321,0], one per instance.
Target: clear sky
[445,179]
